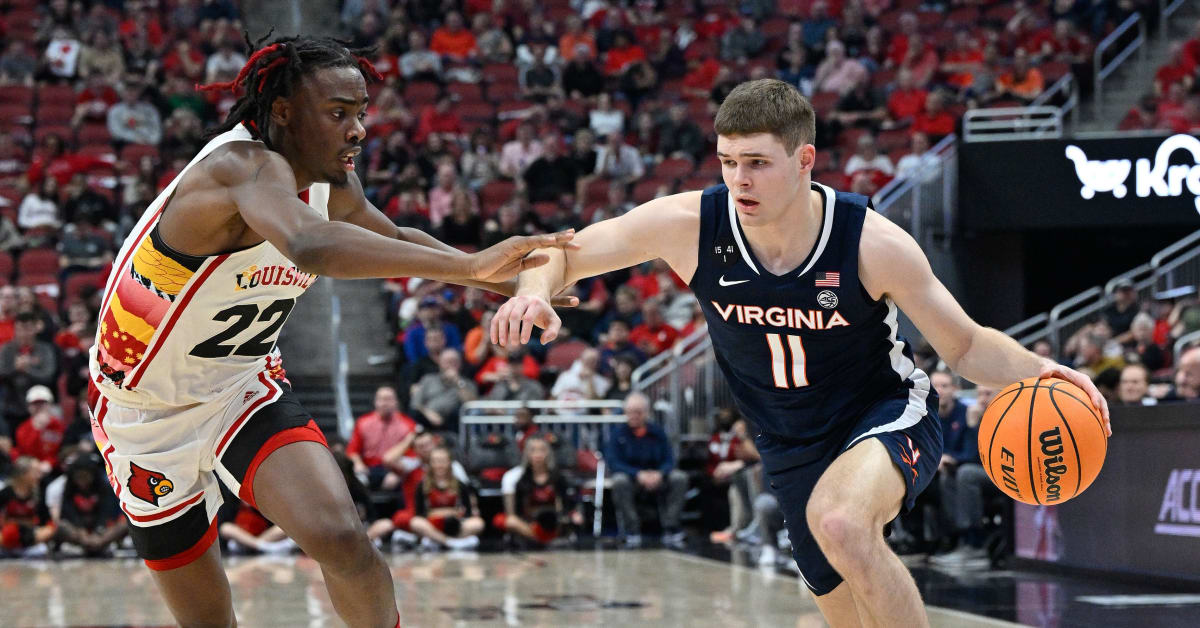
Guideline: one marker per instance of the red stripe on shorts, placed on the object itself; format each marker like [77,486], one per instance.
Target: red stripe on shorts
[272,393]
[188,555]
[166,513]
[299,434]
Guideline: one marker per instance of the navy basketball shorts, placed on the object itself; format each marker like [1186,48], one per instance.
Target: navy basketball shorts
[906,425]
[164,463]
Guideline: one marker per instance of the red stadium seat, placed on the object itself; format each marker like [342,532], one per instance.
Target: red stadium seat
[962,17]
[133,153]
[421,93]
[597,191]
[15,114]
[500,72]
[545,209]
[16,95]
[41,132]
[77,282]
[694,183]
[929,20]
[50,94]
[891,139]
[826,160]
[496,193]
[848,138]
[467,92]
[1052,71]
[646,189]
[6,266]
[1000,12]
[95,133]
[824,102]
[38,261]
[672,169]
[478,112]
[55,113]
[562,355]
[503,91]
[882,78]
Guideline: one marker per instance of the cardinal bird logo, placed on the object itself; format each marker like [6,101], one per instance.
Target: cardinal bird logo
[148,485]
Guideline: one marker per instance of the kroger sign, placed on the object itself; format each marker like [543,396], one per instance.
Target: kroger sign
[1159,178]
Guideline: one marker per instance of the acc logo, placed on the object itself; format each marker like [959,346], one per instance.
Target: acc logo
[148,485]
[1162,179]
[827,299]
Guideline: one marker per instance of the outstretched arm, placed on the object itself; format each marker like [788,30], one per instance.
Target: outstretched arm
[666,227]
[263,190]
[895,266]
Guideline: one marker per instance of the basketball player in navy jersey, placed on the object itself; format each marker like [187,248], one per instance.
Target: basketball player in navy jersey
[800,286]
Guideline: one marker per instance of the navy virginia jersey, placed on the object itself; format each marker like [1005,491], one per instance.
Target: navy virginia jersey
[805,353]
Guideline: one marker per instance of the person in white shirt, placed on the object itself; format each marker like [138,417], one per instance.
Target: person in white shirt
[604,119]
[868,158]
[582,380]
[617,160]
[516,155]
[920,162]
[38,209]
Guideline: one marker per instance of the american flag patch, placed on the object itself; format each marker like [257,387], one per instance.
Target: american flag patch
[828,280]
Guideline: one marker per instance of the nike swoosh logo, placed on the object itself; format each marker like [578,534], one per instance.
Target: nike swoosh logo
[730,283]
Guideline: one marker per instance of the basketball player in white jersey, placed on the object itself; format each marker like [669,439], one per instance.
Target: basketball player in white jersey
[800,286]
[186,383]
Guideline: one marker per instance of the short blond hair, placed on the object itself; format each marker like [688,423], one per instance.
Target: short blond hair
[768,106]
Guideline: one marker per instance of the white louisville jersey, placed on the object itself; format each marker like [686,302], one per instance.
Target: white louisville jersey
[179,329]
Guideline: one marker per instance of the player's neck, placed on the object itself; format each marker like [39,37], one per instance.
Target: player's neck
[289,151]
[782,244]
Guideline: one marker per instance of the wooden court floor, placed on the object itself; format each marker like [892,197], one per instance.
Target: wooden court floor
[585,588]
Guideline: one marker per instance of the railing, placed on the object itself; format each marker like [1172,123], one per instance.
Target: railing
[683,383]
[1183,343]
[585,424]
[341,369]
[1166,10]
[1101,71]
[924,202]
[1004,124]
[1175,266]
[1063,88]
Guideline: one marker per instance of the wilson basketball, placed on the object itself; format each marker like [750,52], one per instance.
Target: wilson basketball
[1042,441]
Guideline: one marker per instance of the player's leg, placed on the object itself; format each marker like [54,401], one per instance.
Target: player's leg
[839,608]
[856,496]
[198,593]
[301,489]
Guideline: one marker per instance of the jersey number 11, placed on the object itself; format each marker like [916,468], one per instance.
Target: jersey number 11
[779,368]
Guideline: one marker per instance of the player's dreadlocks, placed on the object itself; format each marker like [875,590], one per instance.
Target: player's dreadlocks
[275,69]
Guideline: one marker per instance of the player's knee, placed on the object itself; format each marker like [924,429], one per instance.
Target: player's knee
[841,535]
[340,545]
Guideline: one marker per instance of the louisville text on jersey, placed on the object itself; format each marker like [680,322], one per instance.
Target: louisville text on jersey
[254,277]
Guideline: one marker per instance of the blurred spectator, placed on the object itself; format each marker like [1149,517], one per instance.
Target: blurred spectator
[25,524]
[617,203]
[184,61]
[838,73]
[429,315]
[510,381]
[583,380]
[642,462]
[962,482]
[622,378]
[744,42]
[442,193]
[580,77]
[516,155]
[921,59]
[452,41]
[25,362]
[654,335]
[617,342]
[10,238]
[1090,357]
[898,45]
[1180,69]
[103,58]
[1123,309]
[41,435]
[224,65]
[420,63]
[730,470]
[539,81]
[795,70]
[17,66]
[552,175]
[480,163]
[574,36]
[89,515]
[866,157]
[8,313]
[536,505]
[1143,115]
[39,208]
[84,204]
[604,119]
[1187,377]
[623,53]
[817,26]
[1134,388]
[860,107]
[445,513]
[440,119]
[919,161]
[962,61]
[438,397]
[934,120]
[134,120]
[681,136]
[247,531]
[619,161]
[61,58]
[412,372]
[1171,111]
[1021,82]
[380,438]
[464,226]
[493,45]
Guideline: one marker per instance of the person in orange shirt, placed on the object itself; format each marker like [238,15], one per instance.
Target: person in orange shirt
[452,40]
[575,36]
[1021,81]
[963,60]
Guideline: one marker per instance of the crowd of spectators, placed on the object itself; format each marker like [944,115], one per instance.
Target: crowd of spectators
[1174,101]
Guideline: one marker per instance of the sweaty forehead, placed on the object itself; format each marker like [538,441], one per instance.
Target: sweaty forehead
[340,83]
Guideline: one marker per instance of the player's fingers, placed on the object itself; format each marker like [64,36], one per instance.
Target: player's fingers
[498,323]
[527,325]
[533,261]
[551,331]
[564,301]
[514,324]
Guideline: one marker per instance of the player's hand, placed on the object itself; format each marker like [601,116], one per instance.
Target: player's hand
[1083,381]
[509,289]
[503,261]
[514,322]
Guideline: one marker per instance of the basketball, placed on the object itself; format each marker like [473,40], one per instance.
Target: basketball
[1042,442]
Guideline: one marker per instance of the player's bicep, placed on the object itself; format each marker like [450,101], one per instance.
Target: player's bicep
[900,268]
[662,228]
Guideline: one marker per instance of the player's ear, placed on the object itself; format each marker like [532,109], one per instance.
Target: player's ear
[807,156]
[281,111]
